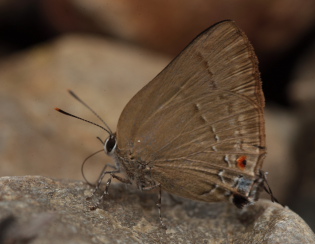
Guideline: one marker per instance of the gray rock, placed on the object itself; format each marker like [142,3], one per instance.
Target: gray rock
[35,209]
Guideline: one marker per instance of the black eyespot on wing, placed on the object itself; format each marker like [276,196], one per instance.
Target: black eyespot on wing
[240,201]
[260,147]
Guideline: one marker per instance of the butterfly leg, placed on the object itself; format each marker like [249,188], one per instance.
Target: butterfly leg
[267,188]
[107,184]
[123,180]
[158,203]
[99,181]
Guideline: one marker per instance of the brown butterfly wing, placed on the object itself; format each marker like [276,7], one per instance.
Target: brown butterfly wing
[195,120]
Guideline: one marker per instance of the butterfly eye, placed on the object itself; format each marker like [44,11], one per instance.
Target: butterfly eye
[110,144]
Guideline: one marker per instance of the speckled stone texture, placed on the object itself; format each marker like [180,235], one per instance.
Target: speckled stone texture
[35,209]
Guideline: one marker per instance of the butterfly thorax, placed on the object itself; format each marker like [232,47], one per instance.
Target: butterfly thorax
[137,171]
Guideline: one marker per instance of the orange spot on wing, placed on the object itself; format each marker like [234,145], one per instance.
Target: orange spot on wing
[241,162]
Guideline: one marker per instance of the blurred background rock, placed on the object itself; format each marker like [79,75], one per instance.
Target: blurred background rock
[107,50]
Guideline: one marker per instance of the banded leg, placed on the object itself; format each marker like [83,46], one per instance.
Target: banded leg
[267,188]
[107,185]
[158,203]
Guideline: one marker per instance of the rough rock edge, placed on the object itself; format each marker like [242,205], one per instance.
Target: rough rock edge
[36,209]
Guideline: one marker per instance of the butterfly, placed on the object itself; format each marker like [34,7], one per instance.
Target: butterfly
[197,130]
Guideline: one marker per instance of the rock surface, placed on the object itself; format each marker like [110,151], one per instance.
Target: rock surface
[35,209]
